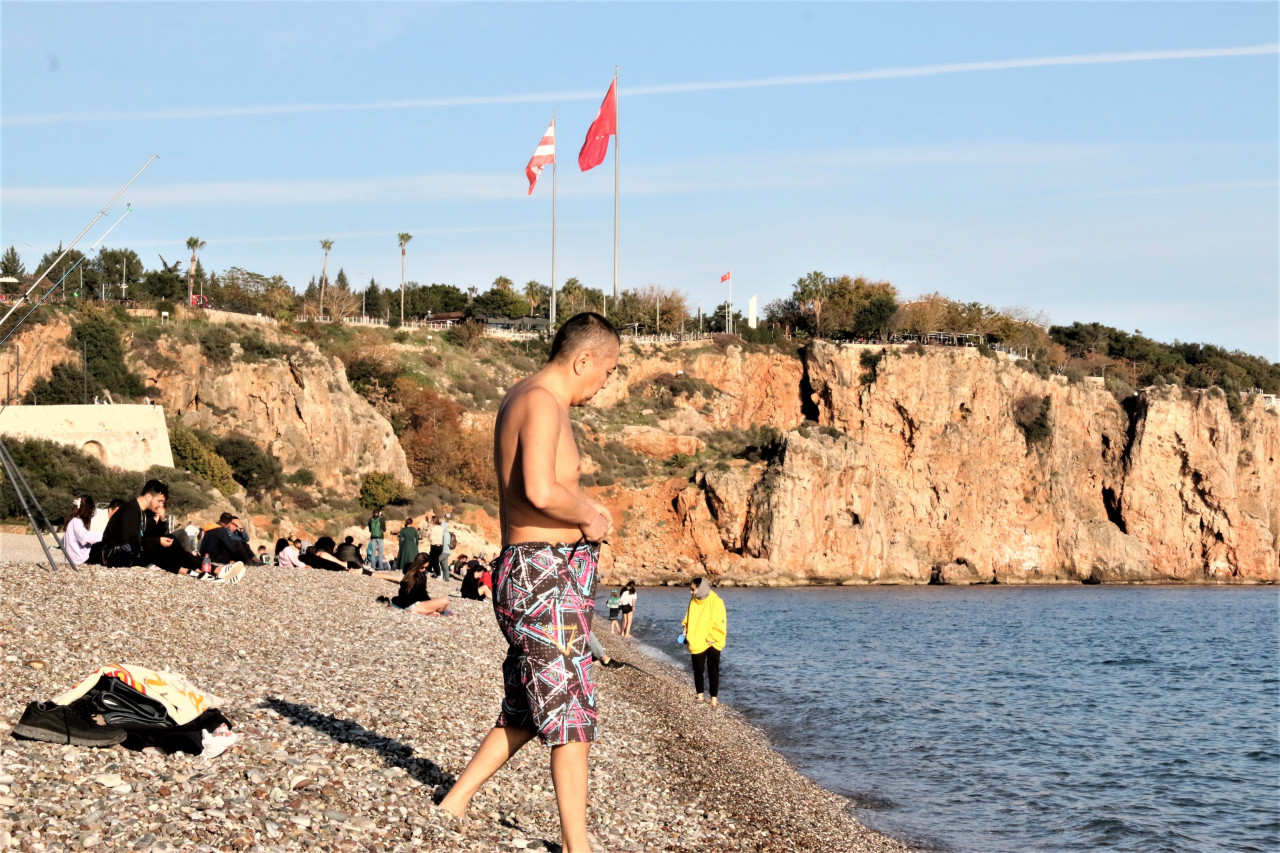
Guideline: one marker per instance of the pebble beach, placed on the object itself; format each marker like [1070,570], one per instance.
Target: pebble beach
[351,718]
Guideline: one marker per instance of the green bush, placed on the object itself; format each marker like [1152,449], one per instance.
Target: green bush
[255,469]
[381,489]
[257,348]
[57,473]
[215,343]
[870,360]
[1119,389]
[1031,414]
[192,454]
[468,335]
[97,336]
[1074,374]
[301,477]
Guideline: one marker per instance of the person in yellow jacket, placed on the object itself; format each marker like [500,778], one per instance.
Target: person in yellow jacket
[705,627]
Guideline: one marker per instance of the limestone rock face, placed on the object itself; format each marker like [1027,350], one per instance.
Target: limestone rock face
[659,444]
[756,388]
[1202,492]
[923,475]
[301,408]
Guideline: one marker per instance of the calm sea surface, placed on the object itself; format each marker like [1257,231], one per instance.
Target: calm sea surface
[1016,719]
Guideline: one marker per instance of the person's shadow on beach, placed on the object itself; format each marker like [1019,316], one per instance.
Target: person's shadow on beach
[394,752]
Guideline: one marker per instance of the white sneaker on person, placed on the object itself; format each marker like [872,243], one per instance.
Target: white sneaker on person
[221,572]
[231,573]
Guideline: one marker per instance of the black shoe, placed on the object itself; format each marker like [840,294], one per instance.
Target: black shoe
[59,724]
[614,663]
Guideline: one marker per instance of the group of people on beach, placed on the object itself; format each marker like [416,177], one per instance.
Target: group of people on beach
[541,584]
[138,533]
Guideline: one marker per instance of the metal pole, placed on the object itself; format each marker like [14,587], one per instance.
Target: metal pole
[551,313]
[101,214]
[616,172]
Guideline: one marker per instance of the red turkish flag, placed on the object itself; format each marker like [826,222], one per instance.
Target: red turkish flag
[725,277]
[605,125]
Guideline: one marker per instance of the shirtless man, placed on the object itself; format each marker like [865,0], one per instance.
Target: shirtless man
[544,583]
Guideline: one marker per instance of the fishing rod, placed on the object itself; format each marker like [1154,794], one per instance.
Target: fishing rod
[92,223]
[53,289]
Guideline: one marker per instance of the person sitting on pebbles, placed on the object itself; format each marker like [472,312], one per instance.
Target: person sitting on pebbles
[413,595]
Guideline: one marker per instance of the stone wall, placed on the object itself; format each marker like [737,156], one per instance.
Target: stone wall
[129,437]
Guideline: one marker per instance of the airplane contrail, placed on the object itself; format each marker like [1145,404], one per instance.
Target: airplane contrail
[188,113]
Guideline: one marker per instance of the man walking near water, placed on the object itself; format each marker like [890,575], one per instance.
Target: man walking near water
[544,581]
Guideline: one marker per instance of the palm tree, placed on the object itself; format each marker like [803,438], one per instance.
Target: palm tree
[195,244]
[326,245]
[404,240]
[533,293]
[812,291]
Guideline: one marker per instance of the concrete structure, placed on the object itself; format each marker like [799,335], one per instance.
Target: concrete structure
[126,437]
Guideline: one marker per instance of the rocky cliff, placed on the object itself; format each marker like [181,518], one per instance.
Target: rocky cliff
[916,470]
[299,406]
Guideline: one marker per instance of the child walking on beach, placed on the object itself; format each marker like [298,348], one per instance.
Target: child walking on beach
[627,606]
[705,627]
[614,613]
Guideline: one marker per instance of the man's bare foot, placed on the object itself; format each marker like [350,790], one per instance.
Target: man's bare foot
[699,699]
[714,701]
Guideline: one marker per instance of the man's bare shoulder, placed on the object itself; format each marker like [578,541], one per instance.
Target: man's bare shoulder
[527,397]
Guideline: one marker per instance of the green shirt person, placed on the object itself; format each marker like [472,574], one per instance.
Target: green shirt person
[377,530]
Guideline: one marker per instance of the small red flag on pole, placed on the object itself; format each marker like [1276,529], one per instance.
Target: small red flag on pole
[605,125]
[543,155]
[726,277]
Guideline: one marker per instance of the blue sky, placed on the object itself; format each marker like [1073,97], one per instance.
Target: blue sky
[1136,186]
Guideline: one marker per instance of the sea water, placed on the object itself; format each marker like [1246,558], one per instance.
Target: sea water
[1015,719]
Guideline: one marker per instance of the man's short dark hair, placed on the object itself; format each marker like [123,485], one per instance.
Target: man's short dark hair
[226,518]
[115,504]
[587,330]
[155,487]
[350,540]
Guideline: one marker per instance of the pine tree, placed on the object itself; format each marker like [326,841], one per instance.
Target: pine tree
[11,264]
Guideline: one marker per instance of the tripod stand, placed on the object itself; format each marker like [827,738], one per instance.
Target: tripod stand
[28,500]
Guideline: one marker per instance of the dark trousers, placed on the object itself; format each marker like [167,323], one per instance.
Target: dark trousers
[710,659]
[170,559]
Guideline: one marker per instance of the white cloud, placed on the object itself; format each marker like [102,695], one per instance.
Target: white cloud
[189,113]
[720,173]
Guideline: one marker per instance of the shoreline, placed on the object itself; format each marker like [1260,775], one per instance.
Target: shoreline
[351,717]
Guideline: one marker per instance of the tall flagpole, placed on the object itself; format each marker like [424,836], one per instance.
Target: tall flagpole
[616,171]
[551,315]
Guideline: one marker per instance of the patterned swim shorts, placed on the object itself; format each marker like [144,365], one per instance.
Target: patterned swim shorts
[544,598]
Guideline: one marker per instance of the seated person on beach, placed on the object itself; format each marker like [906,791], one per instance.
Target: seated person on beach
[349,553]
[320,556]
[77,540]
[459,567]
[264,557]
[223,544]
[473,587]
[289,554]
[413,590]
[123,542]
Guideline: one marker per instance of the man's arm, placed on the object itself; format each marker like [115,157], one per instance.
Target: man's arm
[539,438]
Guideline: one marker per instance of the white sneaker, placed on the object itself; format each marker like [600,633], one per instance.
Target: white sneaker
[236,574]
[221,572]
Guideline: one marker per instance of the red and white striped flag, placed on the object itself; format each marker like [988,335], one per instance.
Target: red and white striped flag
[726,277]
[543,156]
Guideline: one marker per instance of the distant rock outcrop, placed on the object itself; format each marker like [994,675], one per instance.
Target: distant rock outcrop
[300,407]
[921,473]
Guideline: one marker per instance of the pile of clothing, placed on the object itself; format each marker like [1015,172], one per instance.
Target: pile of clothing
[134,706]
